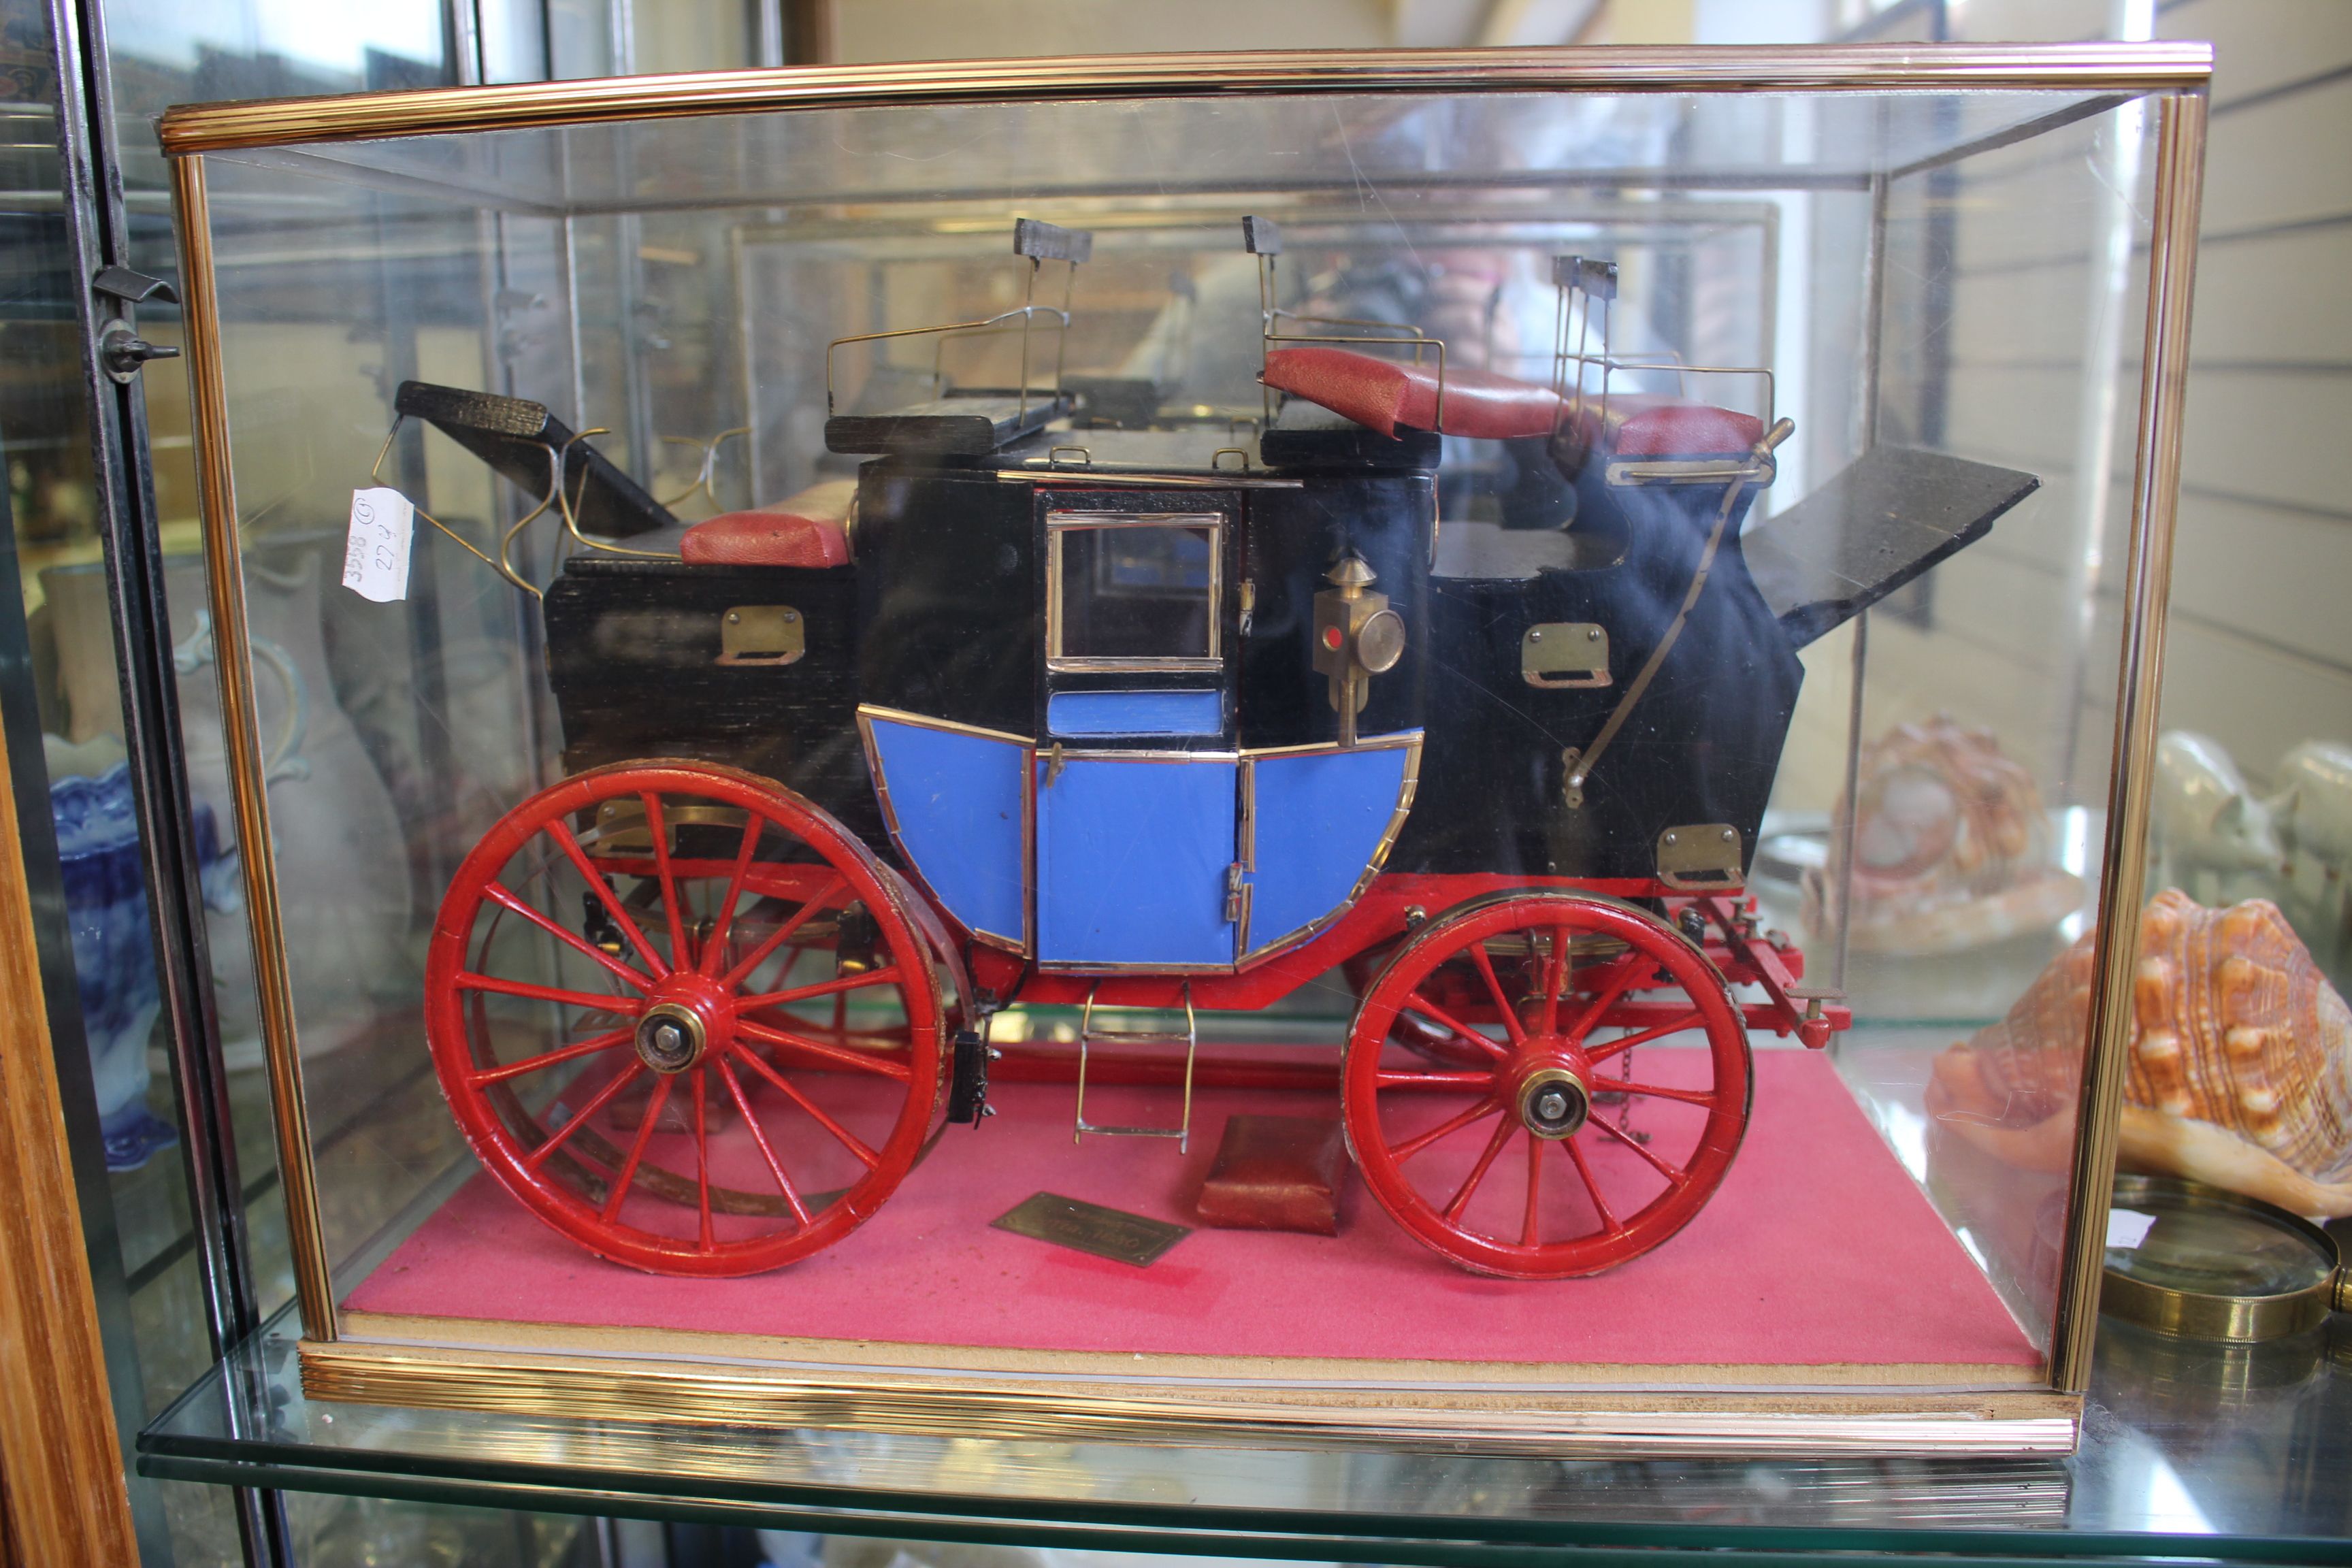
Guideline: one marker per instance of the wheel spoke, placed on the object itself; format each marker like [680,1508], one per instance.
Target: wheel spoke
[702,1158]
[783,934]
[1503,1130]
[590,1001]
[1415,1144]
[499,894]
[603,1097]
[1415,1002]
[1624,1086]
[1635,1144]
[1391,1077]
[550,1058]
[659,829]
[1528,1232]
[1628,971]
[1672,1026]
[1485,966]
[564,840]
[1555,972]
[1609,1224]
[849,1140]
[887,975]
[628,1175]
[717,943]
[775,1166]
[841,1056]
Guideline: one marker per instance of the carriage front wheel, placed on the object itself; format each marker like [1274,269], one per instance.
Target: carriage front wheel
[686,1017]
[1545,1084]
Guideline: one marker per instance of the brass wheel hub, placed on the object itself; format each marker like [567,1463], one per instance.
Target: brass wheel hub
[1553,1101]
[672,1035]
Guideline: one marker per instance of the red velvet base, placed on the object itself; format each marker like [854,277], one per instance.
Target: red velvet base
[1818,1250]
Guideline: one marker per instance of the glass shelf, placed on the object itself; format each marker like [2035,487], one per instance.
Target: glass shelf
[2237,1453]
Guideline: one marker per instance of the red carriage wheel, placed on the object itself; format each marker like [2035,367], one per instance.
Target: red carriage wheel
[686,1017]
[1530,1145]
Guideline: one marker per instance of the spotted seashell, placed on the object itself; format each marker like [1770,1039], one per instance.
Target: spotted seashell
[2233,1024]
[2234,1027]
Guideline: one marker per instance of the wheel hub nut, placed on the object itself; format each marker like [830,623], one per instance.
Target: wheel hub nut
[670,1038]
[1553,1103]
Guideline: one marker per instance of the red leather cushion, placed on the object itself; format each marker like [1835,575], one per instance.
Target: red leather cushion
[1382,394]
[765,539]
[1648,427]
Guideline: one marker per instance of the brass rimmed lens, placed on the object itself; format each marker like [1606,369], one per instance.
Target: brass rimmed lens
[2188,1259]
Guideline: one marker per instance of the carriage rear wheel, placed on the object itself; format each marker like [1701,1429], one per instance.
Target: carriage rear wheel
[1493,1097]
[687,1018]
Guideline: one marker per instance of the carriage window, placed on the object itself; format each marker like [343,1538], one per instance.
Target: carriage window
[1131,588]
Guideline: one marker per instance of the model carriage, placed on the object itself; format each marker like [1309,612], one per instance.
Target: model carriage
[1075,705]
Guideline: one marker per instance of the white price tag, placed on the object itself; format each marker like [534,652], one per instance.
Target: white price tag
[2127,1228]
[375,557]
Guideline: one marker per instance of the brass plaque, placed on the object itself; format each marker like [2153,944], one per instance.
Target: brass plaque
[762,634]
[1699,857]
[1089,1227]
[1565,653]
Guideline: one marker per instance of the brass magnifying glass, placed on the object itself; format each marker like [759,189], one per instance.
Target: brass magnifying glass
[2188,1259]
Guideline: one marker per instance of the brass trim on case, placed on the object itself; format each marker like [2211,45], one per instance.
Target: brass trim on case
[1148,1405]
[2132,68]
[314,1289]
[2148,580]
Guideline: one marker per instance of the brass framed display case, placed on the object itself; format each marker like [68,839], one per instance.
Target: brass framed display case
[1412,578]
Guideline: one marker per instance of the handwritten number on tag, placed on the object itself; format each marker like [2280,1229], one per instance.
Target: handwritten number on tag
[375,552]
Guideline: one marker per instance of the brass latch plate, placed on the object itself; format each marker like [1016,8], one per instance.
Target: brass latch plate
[1699,857]
[1565,654]
[762,634]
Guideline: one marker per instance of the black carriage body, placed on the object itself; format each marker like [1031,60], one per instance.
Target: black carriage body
[636,658]
[1700,747]
[942,615]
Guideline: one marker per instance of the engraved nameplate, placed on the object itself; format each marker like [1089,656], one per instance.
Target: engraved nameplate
[1089,1227]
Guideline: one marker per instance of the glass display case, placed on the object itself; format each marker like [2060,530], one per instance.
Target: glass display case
[1384,747]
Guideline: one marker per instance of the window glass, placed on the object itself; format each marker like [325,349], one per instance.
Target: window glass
[1137,590]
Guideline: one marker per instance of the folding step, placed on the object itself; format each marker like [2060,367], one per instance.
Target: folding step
[1089,1036]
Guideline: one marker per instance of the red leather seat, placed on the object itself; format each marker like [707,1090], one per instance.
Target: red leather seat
[1382,394]
[806,530]
[1641,426]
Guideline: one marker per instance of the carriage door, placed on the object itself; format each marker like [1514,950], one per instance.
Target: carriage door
[1136,768]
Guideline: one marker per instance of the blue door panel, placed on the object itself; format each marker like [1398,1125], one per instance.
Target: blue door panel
[1132,862]
[955,800]
[1319,819]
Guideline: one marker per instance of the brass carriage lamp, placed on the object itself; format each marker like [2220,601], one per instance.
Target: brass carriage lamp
[1357,637]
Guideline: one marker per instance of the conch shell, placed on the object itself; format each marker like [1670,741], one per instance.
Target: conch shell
[2240,1065]
[1952,847]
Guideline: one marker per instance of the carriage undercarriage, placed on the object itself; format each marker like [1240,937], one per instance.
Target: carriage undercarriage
[783,1019]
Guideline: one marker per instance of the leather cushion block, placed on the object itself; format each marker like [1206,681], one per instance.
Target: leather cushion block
[1382,394]
[765,539]
[1276,1173]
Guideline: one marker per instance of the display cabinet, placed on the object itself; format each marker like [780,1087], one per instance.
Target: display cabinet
[1347,749]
